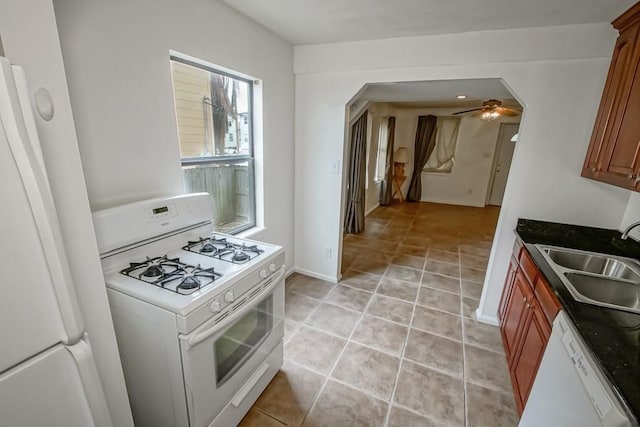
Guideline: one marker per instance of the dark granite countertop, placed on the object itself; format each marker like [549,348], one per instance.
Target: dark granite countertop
[613,336]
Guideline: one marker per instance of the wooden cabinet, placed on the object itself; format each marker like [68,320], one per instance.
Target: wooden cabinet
[516,309]
[535,334]
[511,276]
[614,151]
[527,309]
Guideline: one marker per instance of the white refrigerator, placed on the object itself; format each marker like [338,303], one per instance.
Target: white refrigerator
[48,374]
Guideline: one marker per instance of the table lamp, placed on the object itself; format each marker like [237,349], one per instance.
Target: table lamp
[400,158]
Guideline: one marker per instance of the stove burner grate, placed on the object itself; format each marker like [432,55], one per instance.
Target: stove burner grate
[171,274]
[224,250]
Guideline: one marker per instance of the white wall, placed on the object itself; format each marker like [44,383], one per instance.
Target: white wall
[631,215]
[468,182]
[557,73]
[117,59]
[30,38]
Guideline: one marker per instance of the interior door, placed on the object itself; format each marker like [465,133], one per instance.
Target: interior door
[503,163]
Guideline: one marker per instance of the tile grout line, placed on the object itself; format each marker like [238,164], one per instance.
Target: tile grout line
[409,325]
[402,358]
[279,421]
[415,305]
[335,363]
[422,365]
[464,351]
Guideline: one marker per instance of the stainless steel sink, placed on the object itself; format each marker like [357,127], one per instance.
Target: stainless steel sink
[613,293]
[595,278]
[604,265]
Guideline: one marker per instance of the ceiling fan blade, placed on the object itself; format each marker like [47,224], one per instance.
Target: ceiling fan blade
[467,111]
[509,112]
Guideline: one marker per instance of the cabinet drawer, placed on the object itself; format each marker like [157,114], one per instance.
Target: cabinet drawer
[546,299]
[528,267]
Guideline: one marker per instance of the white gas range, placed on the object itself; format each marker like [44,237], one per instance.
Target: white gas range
[198,315]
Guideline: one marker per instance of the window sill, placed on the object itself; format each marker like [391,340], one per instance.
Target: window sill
[251,233]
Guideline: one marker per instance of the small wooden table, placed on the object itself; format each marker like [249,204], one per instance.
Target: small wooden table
[397,187]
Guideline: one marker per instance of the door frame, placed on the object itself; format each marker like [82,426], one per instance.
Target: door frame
[496,154]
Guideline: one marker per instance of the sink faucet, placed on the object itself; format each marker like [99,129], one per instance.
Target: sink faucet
[627,230]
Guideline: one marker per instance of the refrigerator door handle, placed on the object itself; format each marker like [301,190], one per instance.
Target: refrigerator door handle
[33,176]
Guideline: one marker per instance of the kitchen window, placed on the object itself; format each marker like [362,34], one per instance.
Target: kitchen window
[215,135]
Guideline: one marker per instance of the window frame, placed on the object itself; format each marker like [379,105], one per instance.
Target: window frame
[229,158]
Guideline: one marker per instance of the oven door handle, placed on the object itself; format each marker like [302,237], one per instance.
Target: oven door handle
[205,331]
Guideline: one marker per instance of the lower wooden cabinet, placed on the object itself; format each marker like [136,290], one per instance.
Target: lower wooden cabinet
[515,310]
[534,334]
[526,313]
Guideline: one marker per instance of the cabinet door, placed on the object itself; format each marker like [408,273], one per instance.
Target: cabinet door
[614,100]
[535,334]
[514,314]
[622,154]
[508,287]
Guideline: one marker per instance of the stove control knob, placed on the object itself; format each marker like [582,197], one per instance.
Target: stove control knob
[263,274]
[215,306]
[272,267]
[228,297]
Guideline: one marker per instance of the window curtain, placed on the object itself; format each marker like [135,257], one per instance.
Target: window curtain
[387,182]
[354,214]
[441,160]
[424,145]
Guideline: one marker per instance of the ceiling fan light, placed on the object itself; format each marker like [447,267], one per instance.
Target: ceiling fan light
[490,115]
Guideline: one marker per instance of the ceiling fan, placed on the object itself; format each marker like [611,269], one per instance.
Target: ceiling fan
[491,109]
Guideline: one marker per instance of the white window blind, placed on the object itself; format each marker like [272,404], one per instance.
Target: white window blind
[442,157]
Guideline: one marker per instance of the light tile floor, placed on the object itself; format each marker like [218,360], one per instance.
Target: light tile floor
[395,343]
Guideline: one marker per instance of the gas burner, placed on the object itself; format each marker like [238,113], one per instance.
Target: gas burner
[171,274]
[239,256]
[189,278]
[221,248]
[153,267]
[208,247]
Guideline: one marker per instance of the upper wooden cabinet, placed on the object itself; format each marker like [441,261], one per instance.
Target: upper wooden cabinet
[614,151]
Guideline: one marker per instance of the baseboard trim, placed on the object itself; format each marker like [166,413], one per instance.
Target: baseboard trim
[372,209]
[289,272]
[453,202]
[314,274]
[489,320]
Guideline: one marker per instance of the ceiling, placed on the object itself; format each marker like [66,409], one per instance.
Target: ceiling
[327,21]
[437,93]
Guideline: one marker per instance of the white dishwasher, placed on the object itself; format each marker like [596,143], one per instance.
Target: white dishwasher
[569,389]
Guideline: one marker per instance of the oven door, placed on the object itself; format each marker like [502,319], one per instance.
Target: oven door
[221,354]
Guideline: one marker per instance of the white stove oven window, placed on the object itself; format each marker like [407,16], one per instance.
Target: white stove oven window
[241,339]
[220,355]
